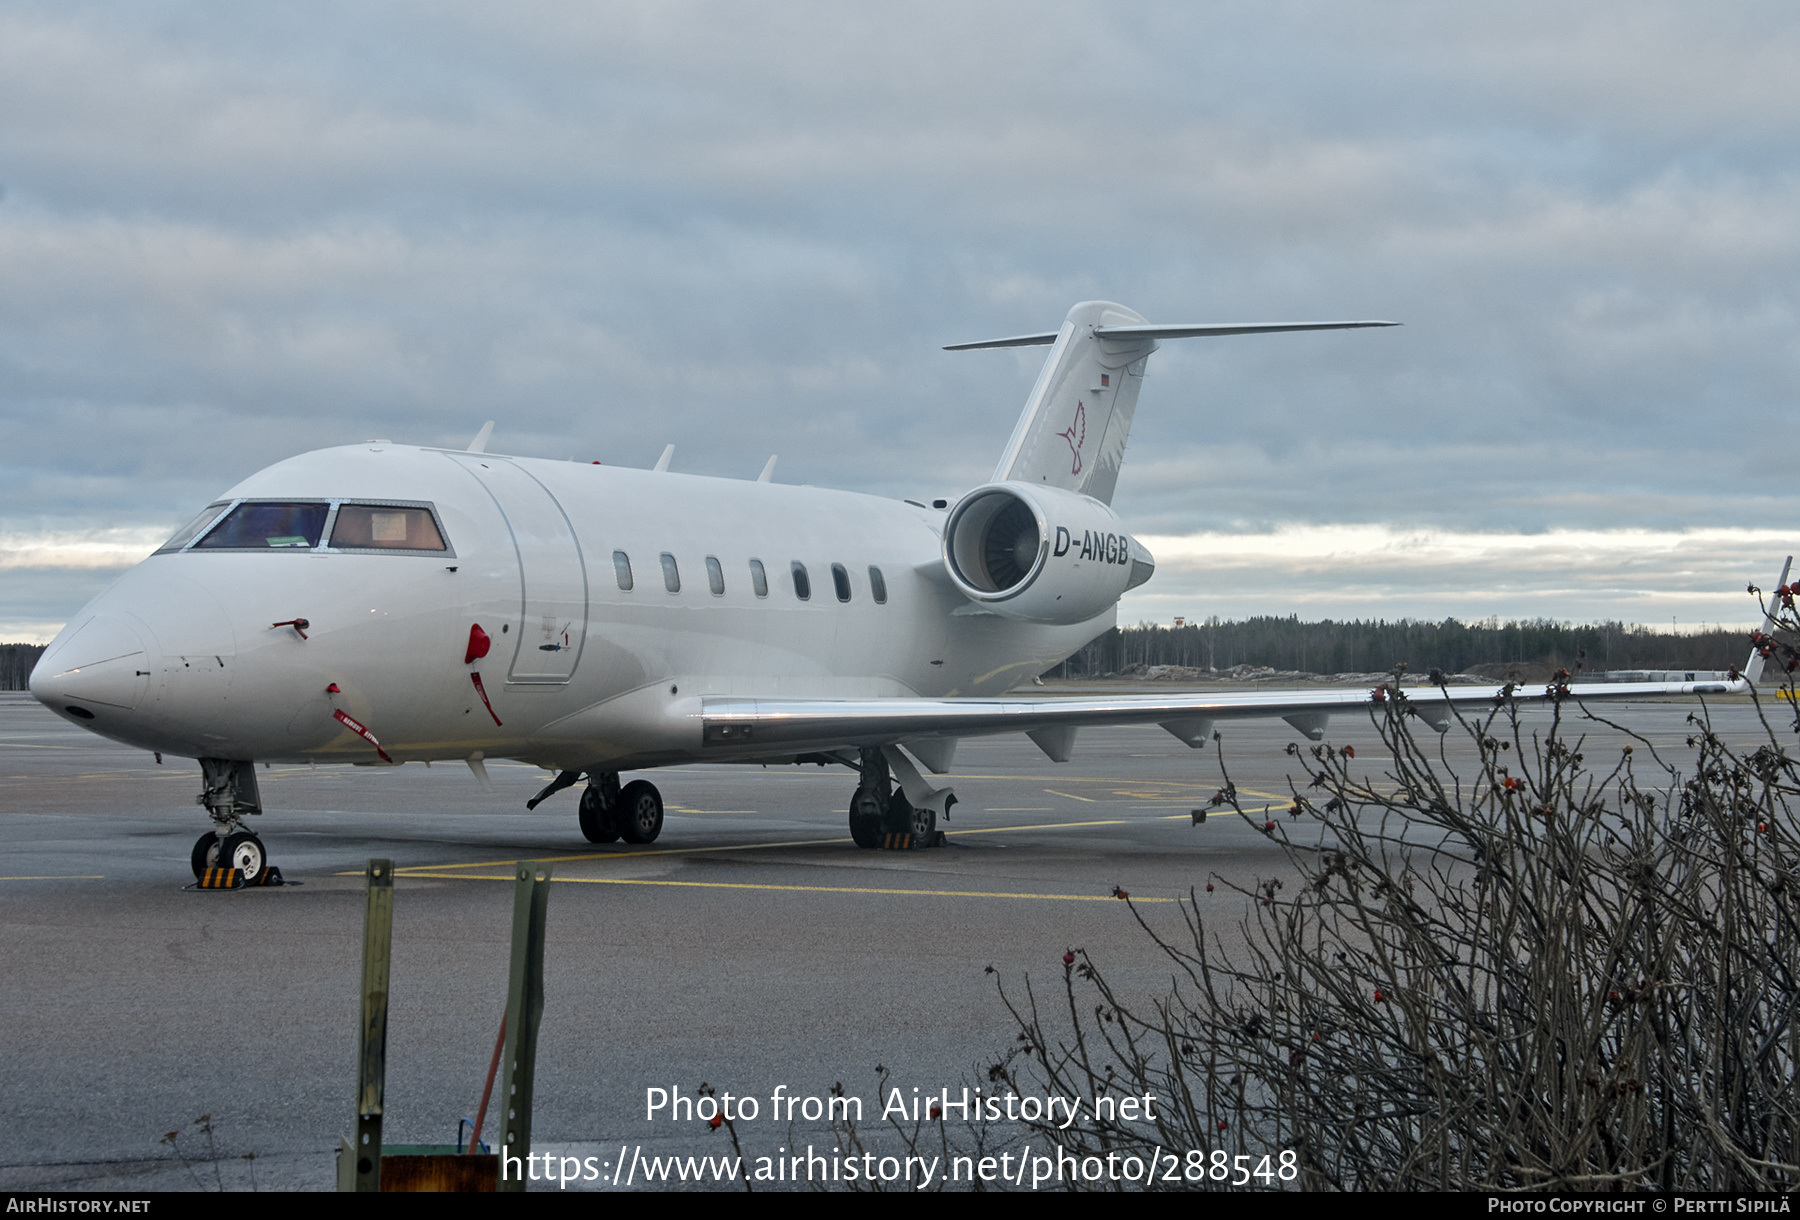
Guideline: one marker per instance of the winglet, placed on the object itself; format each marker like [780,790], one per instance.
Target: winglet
[1754,666]
[479,444]
[768,470]
[662,463]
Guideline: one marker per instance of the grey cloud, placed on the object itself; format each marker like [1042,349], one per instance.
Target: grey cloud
[751,228]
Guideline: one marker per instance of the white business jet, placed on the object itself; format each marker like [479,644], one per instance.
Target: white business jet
[381,603]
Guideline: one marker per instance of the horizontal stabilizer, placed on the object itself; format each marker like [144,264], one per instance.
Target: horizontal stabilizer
[1224,328]
[1044,340]
[1172,331]
[1077,421]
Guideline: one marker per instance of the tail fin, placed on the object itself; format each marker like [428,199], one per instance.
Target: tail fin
[1073,431]
[1075,424]
[1753,668]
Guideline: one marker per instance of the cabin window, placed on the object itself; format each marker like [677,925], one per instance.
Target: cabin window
[265,526]
[877,585]
[671,573]
[759,579]
[802,582]
[622,569]
[186,533]
[715,576]
[385,527]
[840,580]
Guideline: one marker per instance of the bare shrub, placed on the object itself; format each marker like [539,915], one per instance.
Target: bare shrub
[1545,972]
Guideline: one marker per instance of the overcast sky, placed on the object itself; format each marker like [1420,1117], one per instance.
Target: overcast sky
[230,233]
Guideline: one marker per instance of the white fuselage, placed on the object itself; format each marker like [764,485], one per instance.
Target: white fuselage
[182,655]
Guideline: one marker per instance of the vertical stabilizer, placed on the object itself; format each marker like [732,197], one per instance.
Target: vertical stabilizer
[1073,431]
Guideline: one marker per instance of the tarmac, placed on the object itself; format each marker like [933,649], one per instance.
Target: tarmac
[752,948]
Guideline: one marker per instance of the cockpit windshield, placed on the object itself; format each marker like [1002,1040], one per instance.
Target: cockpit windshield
[262,526]
[299,525]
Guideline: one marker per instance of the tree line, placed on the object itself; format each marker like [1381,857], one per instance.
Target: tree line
[1358,646]
[1332,647]
[16,661]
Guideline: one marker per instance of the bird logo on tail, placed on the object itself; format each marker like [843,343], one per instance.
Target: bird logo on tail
[1076,435]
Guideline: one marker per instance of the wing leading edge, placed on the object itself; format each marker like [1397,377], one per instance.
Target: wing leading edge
[825,724]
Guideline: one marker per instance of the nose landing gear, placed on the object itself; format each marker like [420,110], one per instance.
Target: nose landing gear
[229,796]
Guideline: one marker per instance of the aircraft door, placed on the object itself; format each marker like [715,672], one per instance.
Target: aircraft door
[552,576]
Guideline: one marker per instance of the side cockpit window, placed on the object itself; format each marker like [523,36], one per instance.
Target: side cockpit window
[186,533]
[385,527]
[268,526]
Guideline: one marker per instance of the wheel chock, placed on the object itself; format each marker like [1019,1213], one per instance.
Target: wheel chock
[232,879]
[911,842]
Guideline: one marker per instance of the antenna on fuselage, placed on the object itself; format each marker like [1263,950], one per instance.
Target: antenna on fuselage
[662,463]
[479,444]
[768,470]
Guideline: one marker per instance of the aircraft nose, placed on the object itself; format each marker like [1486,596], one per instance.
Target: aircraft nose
[101,668]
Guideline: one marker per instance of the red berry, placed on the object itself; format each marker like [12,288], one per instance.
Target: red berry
[1379,998]
[714,1122]
[1068,959]
[1349,751]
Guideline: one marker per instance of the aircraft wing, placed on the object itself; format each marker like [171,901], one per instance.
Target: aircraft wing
[824,724]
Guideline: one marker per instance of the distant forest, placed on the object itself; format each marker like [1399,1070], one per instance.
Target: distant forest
[1335,648]
[16,661]
[1367,647]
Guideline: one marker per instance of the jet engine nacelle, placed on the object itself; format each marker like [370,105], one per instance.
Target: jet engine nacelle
[1041,554]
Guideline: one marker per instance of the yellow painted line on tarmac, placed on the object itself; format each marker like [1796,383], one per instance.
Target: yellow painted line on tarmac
[76,877]
[806,889]
[610,855]
[412,870]
[995,830]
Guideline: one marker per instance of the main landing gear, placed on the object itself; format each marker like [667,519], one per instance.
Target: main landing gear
[229,796]
[879,808]
[608,812]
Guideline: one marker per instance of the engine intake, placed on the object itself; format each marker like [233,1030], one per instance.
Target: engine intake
[1042,554]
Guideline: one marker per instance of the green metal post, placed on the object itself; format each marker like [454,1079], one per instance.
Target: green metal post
[524,1009]
[371,1059]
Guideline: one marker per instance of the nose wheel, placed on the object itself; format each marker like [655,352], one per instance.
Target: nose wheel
[206,854]
[242,851]
[246,853]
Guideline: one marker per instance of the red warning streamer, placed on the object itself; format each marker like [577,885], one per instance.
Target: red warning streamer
[362,732]
[482,691]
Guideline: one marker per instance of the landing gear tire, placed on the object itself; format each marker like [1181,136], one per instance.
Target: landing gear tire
[866,818]
[206,854]
[906,818]
[640,812]
[601,825]
[246,853]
